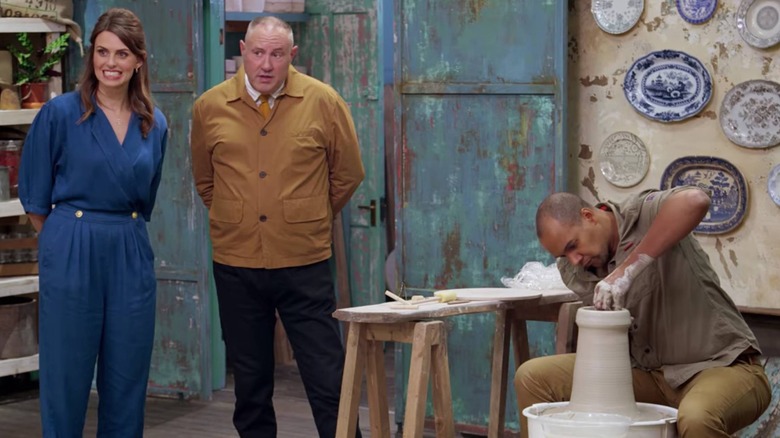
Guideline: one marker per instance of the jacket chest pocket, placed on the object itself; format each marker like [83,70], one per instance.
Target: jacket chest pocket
[308,166]
[305,149]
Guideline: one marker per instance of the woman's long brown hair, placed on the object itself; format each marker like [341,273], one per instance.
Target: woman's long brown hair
[125,25]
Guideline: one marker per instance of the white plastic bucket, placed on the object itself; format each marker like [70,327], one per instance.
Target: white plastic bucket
[584,425]
[666,427]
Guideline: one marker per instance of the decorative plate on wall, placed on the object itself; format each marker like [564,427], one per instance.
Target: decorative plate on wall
[750,114]
[623,159]
[721,179]
[696,11]
[773,184]
[668,85]
[617,16]
[758,22]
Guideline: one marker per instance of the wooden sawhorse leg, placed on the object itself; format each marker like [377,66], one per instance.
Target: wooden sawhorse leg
[429,350]
[351,381]
[508,328]
[511,327]
[429,359]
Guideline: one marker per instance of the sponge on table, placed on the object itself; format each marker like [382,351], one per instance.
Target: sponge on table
[446,295]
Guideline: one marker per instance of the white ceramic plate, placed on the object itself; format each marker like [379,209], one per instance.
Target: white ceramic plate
[758,22]
[773,186]
[617,16]
[750,114]
[696,11]
[623,159]
[496,293]
[668,85]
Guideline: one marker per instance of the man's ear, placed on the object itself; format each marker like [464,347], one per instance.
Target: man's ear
[587,215]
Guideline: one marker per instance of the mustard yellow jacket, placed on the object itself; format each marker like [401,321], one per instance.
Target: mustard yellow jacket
[273,186]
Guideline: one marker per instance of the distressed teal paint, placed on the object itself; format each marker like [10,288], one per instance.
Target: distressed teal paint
[213,74]
[340,44]
[468,41]
[480,130]
[181,360]
[176,350]
[471,185]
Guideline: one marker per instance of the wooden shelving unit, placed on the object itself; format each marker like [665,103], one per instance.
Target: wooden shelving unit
[17,117]
[26,284]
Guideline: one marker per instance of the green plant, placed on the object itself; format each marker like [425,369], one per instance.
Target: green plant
[36,65]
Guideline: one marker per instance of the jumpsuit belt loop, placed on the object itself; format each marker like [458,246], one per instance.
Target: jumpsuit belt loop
[64,209]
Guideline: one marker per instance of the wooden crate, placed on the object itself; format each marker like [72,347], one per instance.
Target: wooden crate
[17,269]
[285,6]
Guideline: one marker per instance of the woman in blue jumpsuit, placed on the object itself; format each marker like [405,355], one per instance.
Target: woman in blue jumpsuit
[89,175]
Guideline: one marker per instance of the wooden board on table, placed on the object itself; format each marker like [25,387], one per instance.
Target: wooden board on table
[385,313]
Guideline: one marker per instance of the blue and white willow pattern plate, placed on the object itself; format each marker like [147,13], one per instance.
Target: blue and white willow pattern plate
[617,16]
[668,86]
[724,183]
[750,114]
[696,11]
[758,22]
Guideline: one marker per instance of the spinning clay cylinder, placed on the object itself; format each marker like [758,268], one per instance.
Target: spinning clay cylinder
[602,370]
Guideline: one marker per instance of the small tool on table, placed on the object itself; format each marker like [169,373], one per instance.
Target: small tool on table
[439,297]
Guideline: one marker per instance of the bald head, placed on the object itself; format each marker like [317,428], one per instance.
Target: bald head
[270,23]
[562,207]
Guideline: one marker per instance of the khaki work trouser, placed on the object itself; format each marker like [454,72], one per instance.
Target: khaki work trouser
[713,404]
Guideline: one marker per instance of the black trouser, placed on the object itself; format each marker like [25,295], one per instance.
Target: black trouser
[305,300]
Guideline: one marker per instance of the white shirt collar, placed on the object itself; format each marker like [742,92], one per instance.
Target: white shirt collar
[254,94]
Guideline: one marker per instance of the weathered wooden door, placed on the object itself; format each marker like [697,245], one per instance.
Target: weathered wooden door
[340,45]
[480,142]
[178,229]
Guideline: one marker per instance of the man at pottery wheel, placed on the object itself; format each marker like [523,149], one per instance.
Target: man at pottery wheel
[690,348]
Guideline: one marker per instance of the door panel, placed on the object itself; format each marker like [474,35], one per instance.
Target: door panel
[178,229]
[340,45]
[480,143]
[479,41]
[471,179]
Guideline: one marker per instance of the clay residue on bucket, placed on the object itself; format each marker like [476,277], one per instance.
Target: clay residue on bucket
[643,413]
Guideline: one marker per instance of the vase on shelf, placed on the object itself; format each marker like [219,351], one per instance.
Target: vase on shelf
[34,94]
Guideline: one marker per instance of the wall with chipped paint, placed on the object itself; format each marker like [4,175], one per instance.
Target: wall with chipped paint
[744,258]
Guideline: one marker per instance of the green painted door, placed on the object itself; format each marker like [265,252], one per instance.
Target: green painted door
[340,45]
[179,229]
[480,142]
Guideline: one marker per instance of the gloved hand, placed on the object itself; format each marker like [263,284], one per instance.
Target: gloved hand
[610,293]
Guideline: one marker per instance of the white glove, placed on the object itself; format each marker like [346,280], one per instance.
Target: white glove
[610,293]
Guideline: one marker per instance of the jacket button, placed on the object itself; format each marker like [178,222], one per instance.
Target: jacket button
[263,132]
[263,174]
[263,218]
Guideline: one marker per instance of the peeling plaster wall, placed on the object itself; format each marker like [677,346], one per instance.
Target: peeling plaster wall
[745,258]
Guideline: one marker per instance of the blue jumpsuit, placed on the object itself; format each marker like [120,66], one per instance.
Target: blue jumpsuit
[97,280]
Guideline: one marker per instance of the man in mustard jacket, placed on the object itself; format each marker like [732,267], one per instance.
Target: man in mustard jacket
[274,157]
